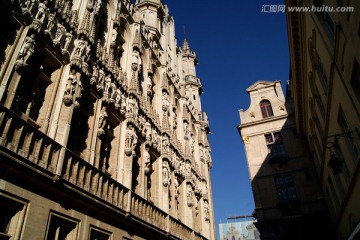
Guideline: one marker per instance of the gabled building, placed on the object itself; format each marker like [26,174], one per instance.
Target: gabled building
[288,200]
[102,135]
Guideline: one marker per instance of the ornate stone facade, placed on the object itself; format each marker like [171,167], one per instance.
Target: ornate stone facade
[101,123]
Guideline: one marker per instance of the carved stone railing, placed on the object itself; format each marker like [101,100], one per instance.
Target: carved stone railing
[179,230]
[17,135]
[91,179]
[146,211]
[198,237]
[21,136]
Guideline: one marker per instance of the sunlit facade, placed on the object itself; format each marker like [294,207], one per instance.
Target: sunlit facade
[102,134]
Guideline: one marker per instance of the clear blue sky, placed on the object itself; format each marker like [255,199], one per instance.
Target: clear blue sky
[236,45]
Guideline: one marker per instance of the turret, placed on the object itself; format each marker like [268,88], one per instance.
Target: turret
[193,87]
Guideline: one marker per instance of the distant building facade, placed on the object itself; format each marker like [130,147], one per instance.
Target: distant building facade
[325,87]
[102,135]
[239,230]
[288,200]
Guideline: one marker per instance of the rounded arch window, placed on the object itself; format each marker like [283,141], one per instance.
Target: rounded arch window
[266,109]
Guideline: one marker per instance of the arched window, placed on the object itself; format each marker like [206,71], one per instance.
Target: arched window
[266,109]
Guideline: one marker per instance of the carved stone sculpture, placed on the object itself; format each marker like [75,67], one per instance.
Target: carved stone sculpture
[70,88]
[102,121]
[130,141]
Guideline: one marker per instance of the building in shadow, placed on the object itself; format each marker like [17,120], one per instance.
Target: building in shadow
[289,203]
[325,88]
[102,135]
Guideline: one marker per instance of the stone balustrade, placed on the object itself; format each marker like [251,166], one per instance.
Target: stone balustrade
[21,136]
[146,211]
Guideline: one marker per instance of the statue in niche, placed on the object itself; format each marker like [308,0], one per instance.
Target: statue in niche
[95,74]
[101,79]
[135,60]
[147,161]
[27,49]
[165,173]
[68,38]
[201,152]
[117,98]
[156,139]
[60,31]
[206,211]
[70,88]
[80,45]
[114,34]
[149,85]
[182,168]
[131,140]
[165,101]
[50,23]
[192,143]
[189,195]
[41,13]
[132,106]
[123,104]
[107,84]
[147,130]
[102,121]
[165,144]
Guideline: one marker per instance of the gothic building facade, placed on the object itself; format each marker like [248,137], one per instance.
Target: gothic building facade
[102,135]
[287,194]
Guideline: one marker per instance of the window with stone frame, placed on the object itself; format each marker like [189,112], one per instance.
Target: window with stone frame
[275,145]
[323,78]
[266,109]
[61,227]
[285,188]
[32,95]
[99,234]
[355,79]
[12,213]
[80,128]
[325,17]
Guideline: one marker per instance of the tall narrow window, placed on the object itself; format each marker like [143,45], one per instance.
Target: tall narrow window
[285,188]
[266,109]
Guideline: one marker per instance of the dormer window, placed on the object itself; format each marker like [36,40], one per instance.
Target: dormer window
[266,109]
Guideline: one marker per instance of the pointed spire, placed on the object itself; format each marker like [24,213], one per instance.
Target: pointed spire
[185,46]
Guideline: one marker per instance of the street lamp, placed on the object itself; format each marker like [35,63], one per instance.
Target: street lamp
[334,162]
